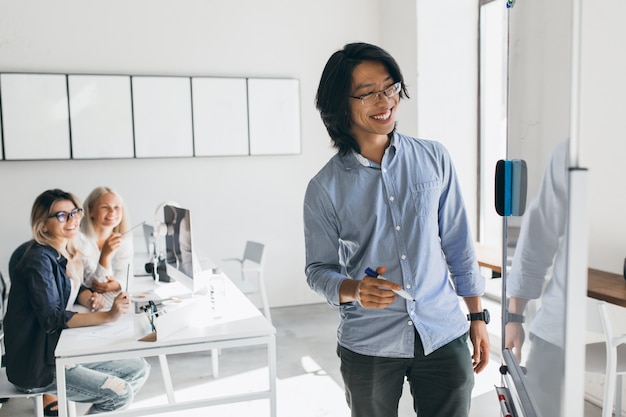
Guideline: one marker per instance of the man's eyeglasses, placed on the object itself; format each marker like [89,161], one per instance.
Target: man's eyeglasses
[372,98]
[63,216]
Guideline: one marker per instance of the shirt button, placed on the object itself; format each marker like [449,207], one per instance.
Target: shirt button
[408,286]
[403,257]
[410,323]
[392,198]
[384,170]
[397,227]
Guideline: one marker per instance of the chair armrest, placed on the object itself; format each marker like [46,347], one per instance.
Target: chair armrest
[233,259]
[619,340]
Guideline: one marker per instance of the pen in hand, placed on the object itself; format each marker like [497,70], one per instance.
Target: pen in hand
[127,278]
[133,228]
[402,293]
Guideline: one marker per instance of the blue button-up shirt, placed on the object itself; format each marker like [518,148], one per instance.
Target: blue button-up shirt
[407,215]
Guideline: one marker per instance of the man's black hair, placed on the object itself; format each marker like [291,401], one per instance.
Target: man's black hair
[333,92]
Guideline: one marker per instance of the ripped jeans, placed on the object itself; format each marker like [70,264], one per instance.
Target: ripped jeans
[108,385]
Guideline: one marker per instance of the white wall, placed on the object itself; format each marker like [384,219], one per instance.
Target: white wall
[603,130]
[232,198]
[260,197]
[447,46]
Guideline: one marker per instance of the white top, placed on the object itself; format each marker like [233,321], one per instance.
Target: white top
[119,269]
[73,294]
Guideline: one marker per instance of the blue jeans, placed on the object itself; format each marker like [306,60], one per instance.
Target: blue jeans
[441,383]
[108,385]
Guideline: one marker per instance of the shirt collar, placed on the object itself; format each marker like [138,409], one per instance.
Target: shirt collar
[362,160]
[355,159]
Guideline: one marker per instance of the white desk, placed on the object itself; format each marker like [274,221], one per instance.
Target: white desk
[241,324]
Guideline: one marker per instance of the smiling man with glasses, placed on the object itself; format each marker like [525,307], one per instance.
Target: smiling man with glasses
[393,203]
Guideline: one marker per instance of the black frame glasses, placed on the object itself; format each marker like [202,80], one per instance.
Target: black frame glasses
[63,216]
[374,97]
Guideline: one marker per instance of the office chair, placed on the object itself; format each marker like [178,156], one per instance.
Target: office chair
[607,357]
[7,389]
[252,264]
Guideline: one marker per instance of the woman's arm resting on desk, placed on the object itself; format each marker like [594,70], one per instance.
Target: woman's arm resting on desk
[92,300]
[120,306]
[111,284]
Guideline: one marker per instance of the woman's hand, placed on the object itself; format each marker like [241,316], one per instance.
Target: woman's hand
[120,306]
[109,247]
[111,284]
[97,301]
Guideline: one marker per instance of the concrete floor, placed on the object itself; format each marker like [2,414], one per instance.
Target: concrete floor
[308,380]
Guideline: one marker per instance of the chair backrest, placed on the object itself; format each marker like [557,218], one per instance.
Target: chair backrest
[605,319]
[594,320]
[599,319]
[253,252]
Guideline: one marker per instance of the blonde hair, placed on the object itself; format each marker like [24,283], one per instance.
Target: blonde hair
[38,217]
[93,197]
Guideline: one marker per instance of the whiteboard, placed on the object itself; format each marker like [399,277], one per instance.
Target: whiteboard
[101,116]
[220,116]
[35,116]
[162,116]
[274,106]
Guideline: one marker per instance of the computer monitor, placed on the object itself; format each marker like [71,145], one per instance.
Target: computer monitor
[181,263]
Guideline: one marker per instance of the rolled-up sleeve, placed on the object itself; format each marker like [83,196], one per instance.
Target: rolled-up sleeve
[322,245]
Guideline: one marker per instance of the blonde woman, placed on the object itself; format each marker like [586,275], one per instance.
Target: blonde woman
[46,281]
[107,252]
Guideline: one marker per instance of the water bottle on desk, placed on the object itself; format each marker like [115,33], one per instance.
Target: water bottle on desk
[217,292]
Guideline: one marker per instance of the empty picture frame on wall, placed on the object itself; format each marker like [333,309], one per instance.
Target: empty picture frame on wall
[101,116]
[162,115]
[86,116]
[35,119]
[220,116]
[274,112]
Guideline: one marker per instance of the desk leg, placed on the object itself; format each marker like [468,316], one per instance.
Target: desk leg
[167,379]
[215,363]
[271,359]
[61,394]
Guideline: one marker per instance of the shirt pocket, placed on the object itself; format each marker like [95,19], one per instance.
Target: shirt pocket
[426,198]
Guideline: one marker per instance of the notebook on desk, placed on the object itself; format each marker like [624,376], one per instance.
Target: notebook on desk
[160,292]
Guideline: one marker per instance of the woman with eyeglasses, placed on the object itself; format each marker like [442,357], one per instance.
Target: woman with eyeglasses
[107,252]
[46,282]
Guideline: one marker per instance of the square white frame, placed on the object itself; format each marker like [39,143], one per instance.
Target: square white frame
[101,116]
[35,116]
[220,116]
[162,117]
[274,111]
